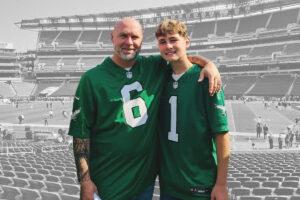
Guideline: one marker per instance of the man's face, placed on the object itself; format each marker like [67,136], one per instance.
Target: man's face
[172,47]
[127,39]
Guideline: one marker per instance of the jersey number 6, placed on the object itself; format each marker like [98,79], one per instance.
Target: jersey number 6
[129,104]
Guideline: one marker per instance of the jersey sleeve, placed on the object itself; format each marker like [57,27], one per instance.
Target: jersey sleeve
[216,110]
[82,118]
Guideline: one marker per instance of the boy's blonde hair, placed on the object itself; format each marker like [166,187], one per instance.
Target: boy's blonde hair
[170,26]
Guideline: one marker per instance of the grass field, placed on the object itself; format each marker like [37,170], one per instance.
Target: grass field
[242,119]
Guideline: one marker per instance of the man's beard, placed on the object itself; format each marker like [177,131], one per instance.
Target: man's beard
[128,57]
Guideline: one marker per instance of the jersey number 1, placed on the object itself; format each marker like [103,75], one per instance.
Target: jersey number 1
[129,104]
[172,135]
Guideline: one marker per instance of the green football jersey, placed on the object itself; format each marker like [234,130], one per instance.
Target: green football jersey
[189,122]
[117,110]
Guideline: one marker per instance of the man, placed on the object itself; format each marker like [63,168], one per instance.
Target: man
[194,129]
[114,123]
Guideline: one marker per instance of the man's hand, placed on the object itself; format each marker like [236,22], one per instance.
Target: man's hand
[219,192]
[87,189]
[210,71]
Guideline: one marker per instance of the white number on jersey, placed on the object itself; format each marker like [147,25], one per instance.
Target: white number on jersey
[172,135]
[129,104]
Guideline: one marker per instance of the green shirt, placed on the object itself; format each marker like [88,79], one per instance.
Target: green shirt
[189,120]
[117,110]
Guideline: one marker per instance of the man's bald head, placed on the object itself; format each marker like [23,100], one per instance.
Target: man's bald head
[128,21]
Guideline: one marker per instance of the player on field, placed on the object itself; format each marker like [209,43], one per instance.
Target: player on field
[194,131]
[114,120]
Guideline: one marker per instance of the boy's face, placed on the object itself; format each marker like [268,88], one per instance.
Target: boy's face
[172,47]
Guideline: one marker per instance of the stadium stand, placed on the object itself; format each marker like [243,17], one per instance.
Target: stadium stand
[105,37]
[272,85]
[89,37]
[44,85]
[236,52]
[67,37]
[283,18]
[6,90]
[202,30]
[67,89]
[265,51]
[226,26]
[251,24]
[23,89]
[239,85]
[292,48]
[47,37]
[296,87]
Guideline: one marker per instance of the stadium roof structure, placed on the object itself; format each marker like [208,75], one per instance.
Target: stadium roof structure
[196,11]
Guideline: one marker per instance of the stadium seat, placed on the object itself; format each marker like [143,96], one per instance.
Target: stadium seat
[19,169]
[253,175]
[29,194]
[296,174]
[291,184]
[250,198]
[276,198]
[259,179]
[234,184]
[61,169]
[35,184]
[270,184]
[274,171]
[49,195]
[240,191]
[48,167]
[17,182]
[238,175]
[9,173]
[291,178]
[10,192]
[7,167]
[284,191]
[71,189]
[243,179]
[5,180]
[278,179]
[37,176]
[69,197]
[51,178]
[284,174]
[70,174]
[262,191]
[56,172]
[52,187]
[30,170]
[251,184]
[230,178]
[67,180]
[295,197]
[267,174]
[23,175]
[43,171]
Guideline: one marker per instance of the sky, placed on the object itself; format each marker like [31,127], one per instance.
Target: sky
[12,11]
